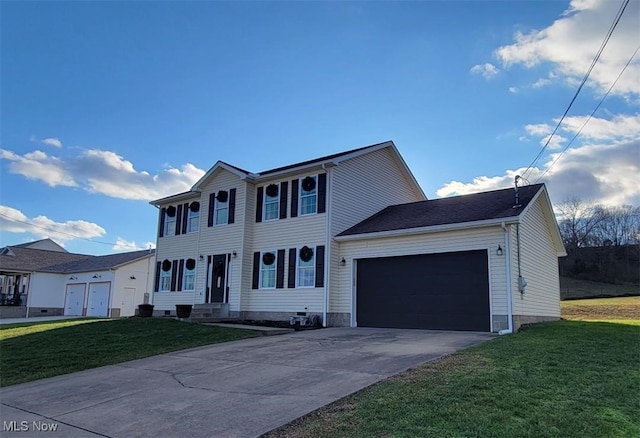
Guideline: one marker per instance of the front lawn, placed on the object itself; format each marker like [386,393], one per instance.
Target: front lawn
[44,349]
[559,379]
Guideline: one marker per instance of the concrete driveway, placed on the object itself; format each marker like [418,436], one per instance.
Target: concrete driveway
[237,389]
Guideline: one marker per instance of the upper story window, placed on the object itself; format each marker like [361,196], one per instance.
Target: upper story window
[189,278]
[193,218]
[165,276]
[170,221]
[222,208]
[308,195]
[271,202]
[268,263]
[306,267]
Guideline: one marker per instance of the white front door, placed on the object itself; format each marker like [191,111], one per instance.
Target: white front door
[74,300]
[128,302]
[98,299]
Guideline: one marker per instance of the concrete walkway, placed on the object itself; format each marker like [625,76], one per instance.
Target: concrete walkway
[36,319]
[237,389]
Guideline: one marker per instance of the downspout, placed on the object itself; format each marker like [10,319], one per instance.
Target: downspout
[507,247]
[328,251]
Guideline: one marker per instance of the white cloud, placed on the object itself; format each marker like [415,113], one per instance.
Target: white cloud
[604,173]
[513,90]
[14,221]
[542,82]
[538,129]
[622,127]
[102,172]
[56,143]
[569,45]
[555,142]
[487,70]
[125,245]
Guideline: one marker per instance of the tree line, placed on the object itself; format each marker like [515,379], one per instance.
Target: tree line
[586,224]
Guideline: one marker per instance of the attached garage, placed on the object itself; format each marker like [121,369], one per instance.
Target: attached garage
[480,262]
[447,291]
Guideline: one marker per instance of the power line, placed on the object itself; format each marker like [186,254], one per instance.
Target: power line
[584,80]
[590,115]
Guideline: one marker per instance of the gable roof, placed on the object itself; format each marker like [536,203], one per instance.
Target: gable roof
[327,160]
[481,208]
[46,244]
[41,260]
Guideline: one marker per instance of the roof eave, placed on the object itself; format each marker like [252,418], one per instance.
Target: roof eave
[430,229]
[173,198]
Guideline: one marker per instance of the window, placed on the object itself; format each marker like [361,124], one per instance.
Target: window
[306,267]
[165,276]
[308,195]
[268,270]
[189,279]
[271,202]
[222,211]
[170,221]
[193,219]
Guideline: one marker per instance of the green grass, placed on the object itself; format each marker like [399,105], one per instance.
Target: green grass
[50,348]
[559,379]
[623,310]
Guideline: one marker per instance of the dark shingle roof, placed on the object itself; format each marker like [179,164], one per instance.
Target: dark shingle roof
[27,259]
[321,159]
[97,263]
[498,204]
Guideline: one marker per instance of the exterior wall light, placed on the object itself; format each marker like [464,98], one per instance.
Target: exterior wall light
[499,250]
[343,261]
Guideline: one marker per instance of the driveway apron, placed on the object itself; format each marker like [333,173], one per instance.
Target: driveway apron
[237,389]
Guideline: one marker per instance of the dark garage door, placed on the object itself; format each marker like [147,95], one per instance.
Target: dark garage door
[447,291]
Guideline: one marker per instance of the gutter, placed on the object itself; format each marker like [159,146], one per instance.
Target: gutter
[429,229]
[507,246]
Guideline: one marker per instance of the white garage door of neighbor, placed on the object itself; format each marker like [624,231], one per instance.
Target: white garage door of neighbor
[74,300]
[98,299]
[128,302]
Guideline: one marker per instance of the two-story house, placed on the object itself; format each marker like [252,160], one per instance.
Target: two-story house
[268,245]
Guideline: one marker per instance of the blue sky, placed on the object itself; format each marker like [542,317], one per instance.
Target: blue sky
[107,105]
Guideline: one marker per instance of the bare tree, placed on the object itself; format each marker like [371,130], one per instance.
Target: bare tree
[618,226]
[578,220]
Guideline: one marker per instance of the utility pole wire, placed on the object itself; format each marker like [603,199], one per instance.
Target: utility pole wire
[590,116]
[584,80]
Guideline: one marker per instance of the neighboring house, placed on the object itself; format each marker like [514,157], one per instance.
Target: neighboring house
[351,238]
[42,278]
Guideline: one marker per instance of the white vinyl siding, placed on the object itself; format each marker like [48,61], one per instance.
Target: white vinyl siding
[539,266]
[364,185]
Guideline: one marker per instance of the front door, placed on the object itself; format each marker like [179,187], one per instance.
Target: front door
[218,279]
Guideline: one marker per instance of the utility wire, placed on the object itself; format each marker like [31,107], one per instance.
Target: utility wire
[584,80]
[590,116]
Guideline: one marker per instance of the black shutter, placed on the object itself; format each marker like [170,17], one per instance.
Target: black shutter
[185,217]
[280,270]
[320,266]
[232,206]
[322,193]
[294,198]
[179,219]
[212,205]
[163,211]
[256,270]
[180,274]
[259,204]
[284,186]
[291,283]
[157,281]
[174,275]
